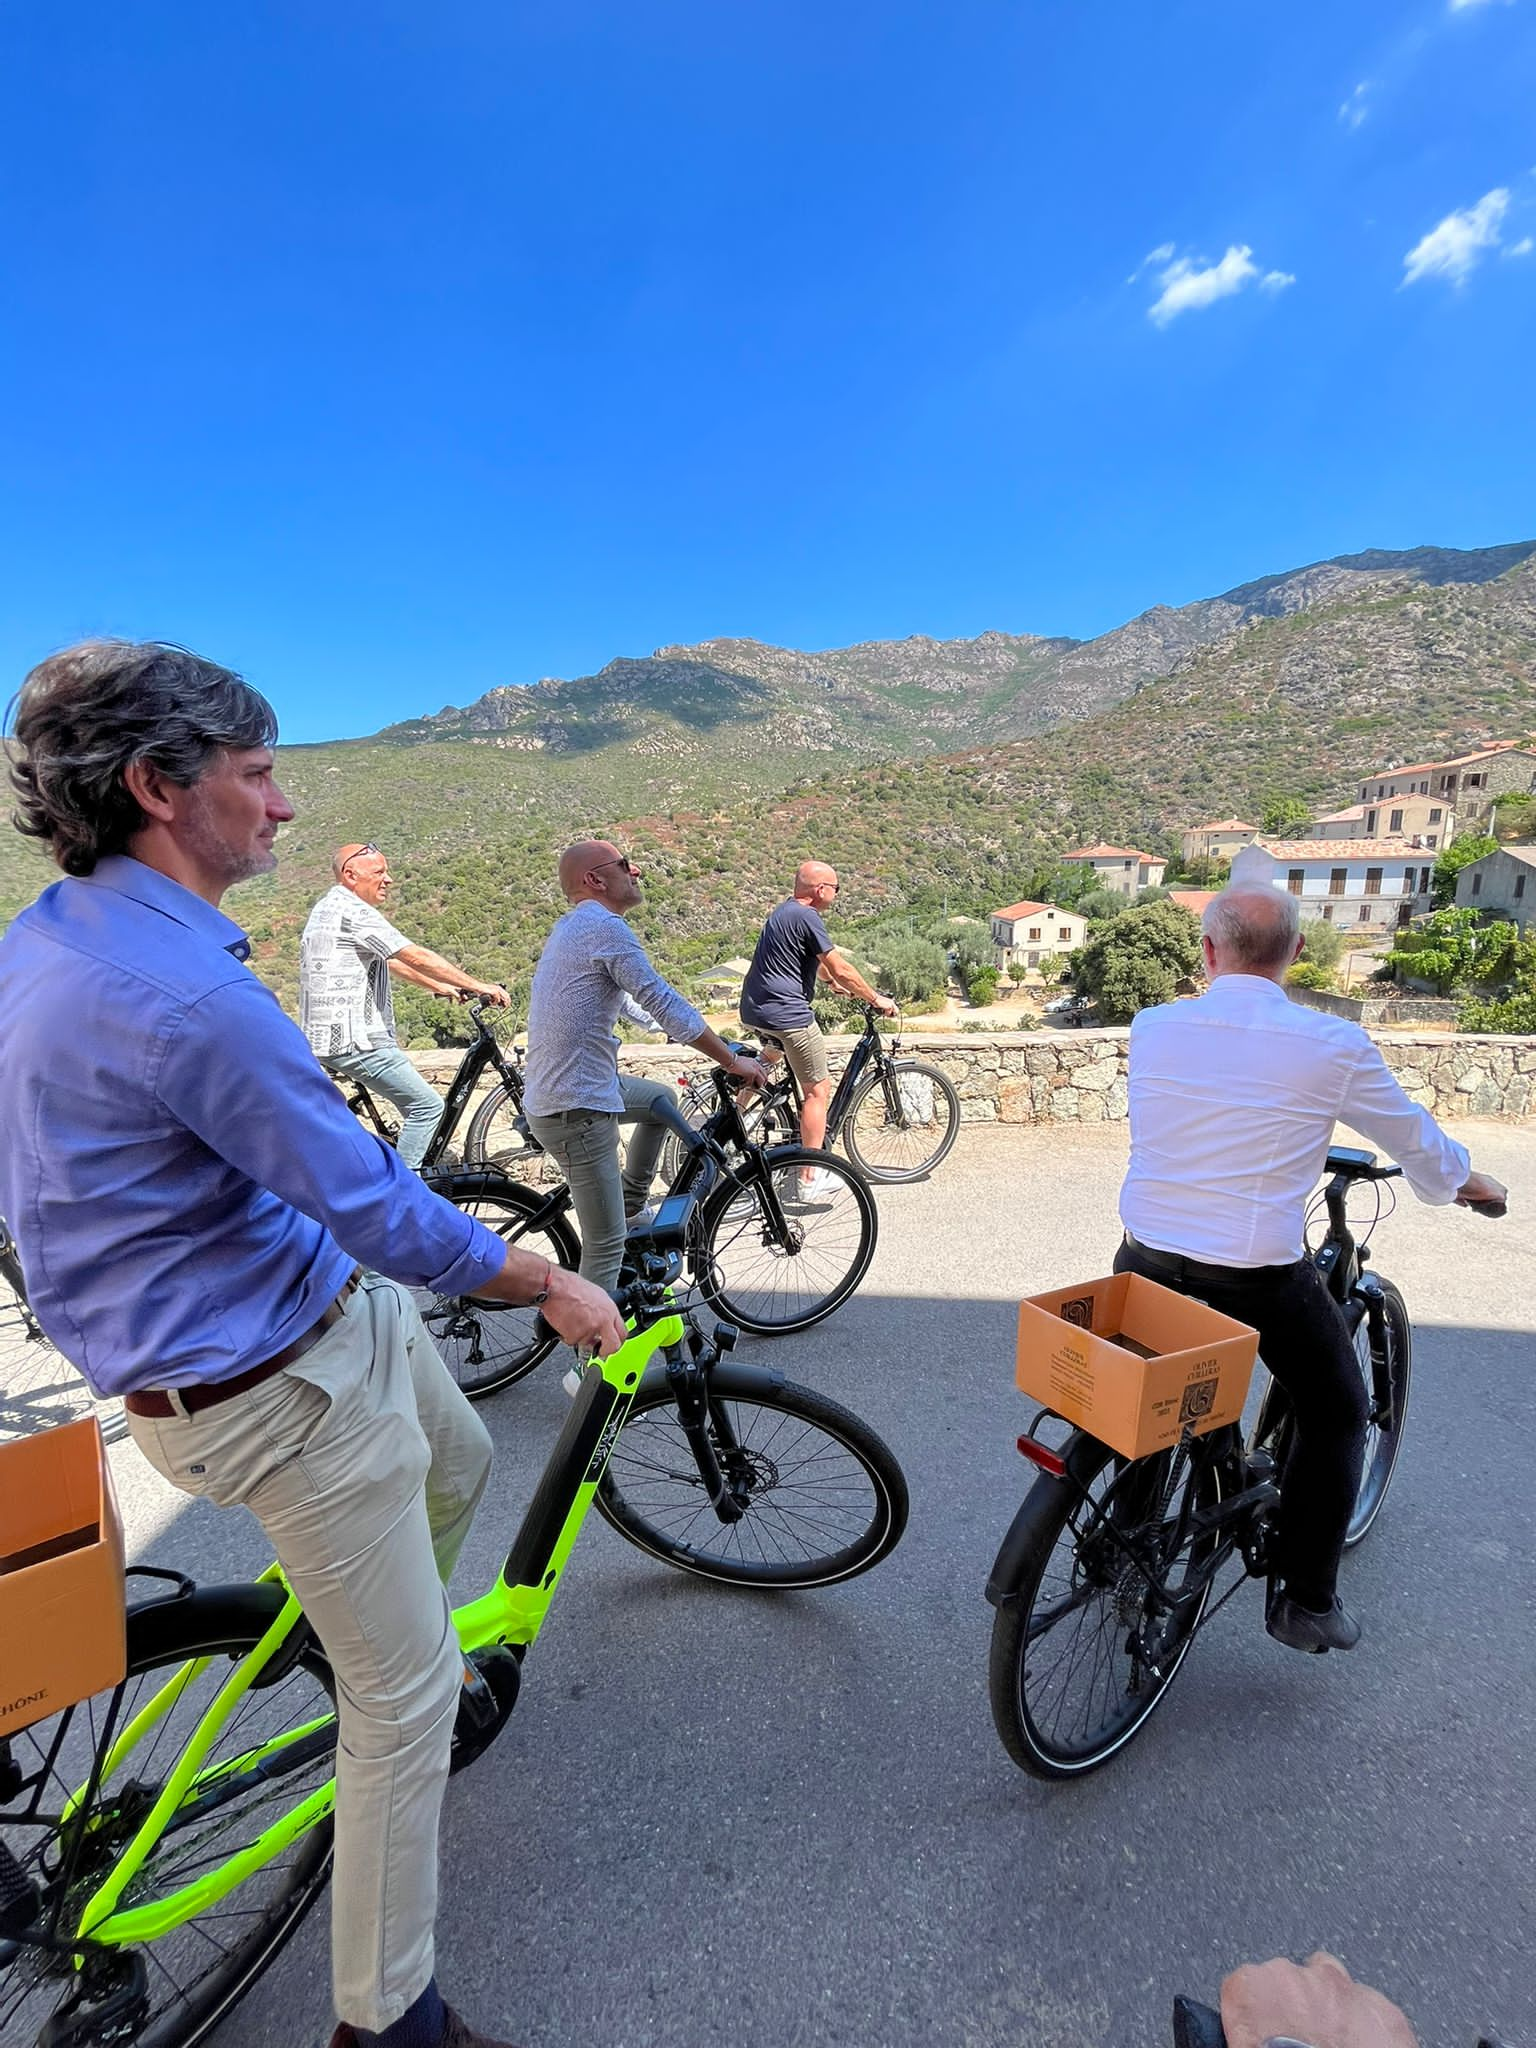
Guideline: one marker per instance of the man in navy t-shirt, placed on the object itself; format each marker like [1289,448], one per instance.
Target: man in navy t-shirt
[792,949]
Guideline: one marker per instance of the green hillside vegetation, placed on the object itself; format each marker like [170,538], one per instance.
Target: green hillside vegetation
[1294,705]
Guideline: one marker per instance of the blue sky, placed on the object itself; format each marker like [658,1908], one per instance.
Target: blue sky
[392,352]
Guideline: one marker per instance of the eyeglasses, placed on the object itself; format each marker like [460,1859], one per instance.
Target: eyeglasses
[621,861]
[358,852]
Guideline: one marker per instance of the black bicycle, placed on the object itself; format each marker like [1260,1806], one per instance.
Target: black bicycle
[1199,2026]
[764,1251]
[1107,1574]
[498,1135]
[896,1118]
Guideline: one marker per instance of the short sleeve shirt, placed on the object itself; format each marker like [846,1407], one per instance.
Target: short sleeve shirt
[776,994]
[344,994]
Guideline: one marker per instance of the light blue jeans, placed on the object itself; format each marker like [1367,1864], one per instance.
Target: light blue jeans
[394,1075]
[584,1143]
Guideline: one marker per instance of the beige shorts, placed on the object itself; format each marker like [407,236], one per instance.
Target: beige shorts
[806,1051]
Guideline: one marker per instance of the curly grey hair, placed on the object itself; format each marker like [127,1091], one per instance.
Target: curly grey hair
[85,713]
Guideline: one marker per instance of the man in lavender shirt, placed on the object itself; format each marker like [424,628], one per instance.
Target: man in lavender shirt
[593,970]
[204,1228]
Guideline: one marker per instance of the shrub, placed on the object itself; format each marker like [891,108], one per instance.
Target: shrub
[1309,974]
[1138,960]
[1321,944]
[982,987]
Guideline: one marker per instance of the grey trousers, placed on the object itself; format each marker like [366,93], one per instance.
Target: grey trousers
[363,1463]
[585,1145]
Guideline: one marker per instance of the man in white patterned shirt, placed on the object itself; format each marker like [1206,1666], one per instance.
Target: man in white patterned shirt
[349,951]
[1233,1100]
[592,971]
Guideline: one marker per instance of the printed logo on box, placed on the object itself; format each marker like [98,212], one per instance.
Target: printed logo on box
[1199,1400]
[1078,1311]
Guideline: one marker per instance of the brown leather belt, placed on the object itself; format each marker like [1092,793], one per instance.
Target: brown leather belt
[209,1393]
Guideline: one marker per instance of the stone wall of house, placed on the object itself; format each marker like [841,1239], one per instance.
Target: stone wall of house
[1031,1077]
[1381,1013]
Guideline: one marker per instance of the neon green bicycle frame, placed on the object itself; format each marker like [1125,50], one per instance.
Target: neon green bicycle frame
[511,1613]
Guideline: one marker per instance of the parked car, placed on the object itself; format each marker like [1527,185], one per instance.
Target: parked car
[1069,1010]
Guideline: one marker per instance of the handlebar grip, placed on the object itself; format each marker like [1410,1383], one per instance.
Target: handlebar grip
[1493,1209]
[1196,2026]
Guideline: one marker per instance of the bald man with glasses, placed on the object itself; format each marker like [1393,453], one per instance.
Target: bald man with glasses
[593,972]
[348,953]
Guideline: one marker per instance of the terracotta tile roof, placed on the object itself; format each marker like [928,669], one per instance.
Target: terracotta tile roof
[1193,900]
[1298,850]
[1452,761]
[1225,825]
[1014,911]
[1346,811]
[1113,853]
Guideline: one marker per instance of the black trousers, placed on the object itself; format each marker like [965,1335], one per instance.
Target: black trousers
[1305,1345]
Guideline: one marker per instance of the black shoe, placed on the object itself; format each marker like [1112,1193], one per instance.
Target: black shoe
[1300,1628]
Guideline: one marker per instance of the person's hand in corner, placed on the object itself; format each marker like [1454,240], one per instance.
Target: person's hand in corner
[1317,2003]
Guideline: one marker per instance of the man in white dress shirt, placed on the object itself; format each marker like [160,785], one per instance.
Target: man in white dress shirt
[1233,1100]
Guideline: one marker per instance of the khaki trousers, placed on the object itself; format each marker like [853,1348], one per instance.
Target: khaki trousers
[363,1463]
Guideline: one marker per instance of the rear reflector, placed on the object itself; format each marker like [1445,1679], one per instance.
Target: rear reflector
[1046,1459]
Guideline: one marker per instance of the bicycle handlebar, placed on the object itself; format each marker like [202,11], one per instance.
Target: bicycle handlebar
[1197,2026]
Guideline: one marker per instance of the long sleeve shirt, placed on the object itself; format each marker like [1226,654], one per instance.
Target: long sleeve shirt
[1233,1100]
[186,1187]
[591,961]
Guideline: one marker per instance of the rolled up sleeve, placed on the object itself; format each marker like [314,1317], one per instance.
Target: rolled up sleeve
[1434,1165]
[240,1074]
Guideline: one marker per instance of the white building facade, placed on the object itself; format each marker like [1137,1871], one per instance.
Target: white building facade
[1363,885]
[1025,933]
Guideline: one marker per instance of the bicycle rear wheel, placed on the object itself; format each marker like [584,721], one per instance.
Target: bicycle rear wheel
[1385,1367]
[499,1140]
[769,1277]
[818,1496]
[277,1747]
[487,1345]
[1080,1655]
[903,1122]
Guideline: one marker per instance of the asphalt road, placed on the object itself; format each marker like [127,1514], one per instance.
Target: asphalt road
[786,1822]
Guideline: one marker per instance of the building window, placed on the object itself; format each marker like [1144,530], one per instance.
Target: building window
[1327,913]
[1373,881]
[1519,887]
[1336,879]
[1034,934]
[1477,885]
[1423,789]
[1294,878]
[1423,881]
[1434,815]
[1474,782]
[1365,913]
[1430,838]
[1370,824]
[1408,874]
[1397,822]
[1404,914]
[1064,934]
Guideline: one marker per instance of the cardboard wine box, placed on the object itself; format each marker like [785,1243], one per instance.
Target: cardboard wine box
[61,1573]
[1134,1363]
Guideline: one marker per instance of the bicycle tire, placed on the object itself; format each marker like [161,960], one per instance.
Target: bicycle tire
[767,1123]
[1383,1439]
[770,1282]
[652,1492]
[932,1136]
[1099,1582]
[221,1623]
[487,1345]
[493,1141]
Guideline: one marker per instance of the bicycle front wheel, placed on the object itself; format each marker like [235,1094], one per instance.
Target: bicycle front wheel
[902,1122]
[812,1494]
[772,1266]
[1082,1649]
[277,1748]
[487,1345]
[1385,1365]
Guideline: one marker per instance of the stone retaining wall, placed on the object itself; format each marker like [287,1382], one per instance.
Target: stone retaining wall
[1030,1077]
[1380,1013]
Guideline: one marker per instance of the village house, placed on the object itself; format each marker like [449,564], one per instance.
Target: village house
[1024,933]
[1501,885]
[1467,784]
[1425,821]
[1122,868]
[1365,884]
[1218,841]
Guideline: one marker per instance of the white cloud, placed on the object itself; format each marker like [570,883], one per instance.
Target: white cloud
[1152,258]
[1454,249]
[1188,285]
[1457,6]
[1521,248]
[1354,110]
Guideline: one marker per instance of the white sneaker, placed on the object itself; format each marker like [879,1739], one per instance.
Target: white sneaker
[642,1219]
[572,1381]
[813,1187]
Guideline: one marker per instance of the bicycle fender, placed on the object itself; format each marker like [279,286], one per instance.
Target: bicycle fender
[252,1605]
[728,1377]
[1003,1581]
